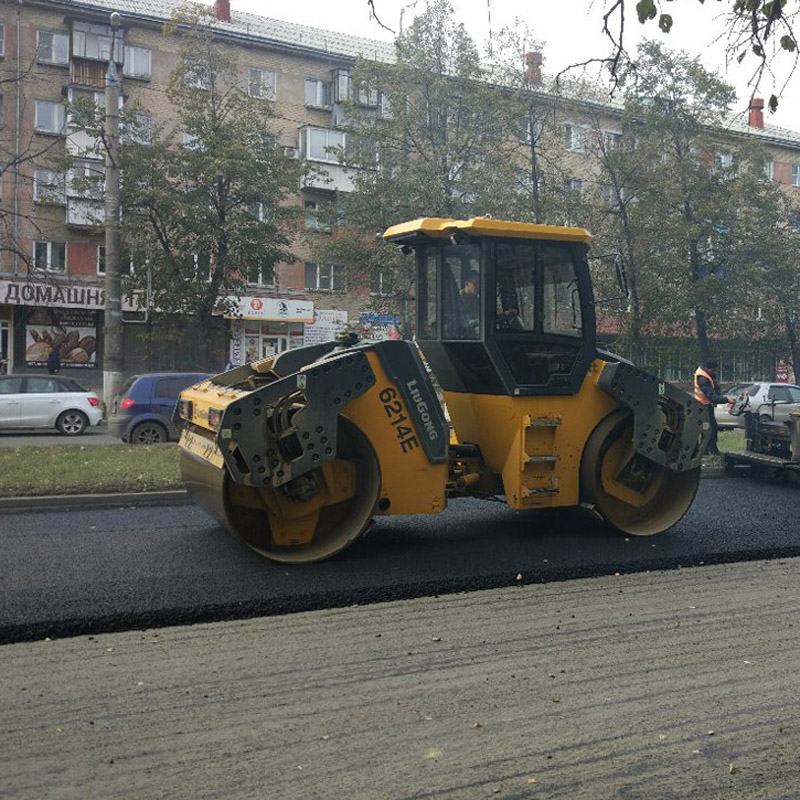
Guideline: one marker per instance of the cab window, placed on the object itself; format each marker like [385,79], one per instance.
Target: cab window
[10,385]
[561,313]
[41,386]
[461,291]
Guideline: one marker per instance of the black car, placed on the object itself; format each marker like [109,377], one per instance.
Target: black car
[142,412]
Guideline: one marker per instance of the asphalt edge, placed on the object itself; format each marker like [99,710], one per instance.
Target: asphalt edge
[62,501]
[169,497]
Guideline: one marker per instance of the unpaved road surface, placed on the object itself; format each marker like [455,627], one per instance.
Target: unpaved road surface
[679,684]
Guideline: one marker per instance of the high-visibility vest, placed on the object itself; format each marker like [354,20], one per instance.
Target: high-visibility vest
[698,393]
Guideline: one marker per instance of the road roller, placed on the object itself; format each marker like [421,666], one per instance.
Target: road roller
[503,393]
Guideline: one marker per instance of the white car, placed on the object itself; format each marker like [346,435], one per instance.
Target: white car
[47,401]
[771,401]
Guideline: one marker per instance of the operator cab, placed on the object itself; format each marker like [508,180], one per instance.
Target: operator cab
[502,307]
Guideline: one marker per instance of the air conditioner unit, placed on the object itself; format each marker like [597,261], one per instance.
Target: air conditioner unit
[291,152]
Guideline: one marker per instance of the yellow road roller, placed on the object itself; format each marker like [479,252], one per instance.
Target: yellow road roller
[296,454]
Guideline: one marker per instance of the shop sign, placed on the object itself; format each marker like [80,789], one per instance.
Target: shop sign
[325,326]
[58,295]
[377,327]
[271,308]
[72,332]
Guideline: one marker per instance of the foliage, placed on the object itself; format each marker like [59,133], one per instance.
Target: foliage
[754,27]
[204,200]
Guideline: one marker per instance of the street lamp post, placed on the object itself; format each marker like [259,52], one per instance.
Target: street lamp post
[112,329]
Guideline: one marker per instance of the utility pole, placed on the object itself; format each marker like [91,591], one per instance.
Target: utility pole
[112,329]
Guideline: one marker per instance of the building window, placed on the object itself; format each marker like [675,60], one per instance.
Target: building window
[101,259]
[573,185]
[795,174]
[380,283]
[94,46]
[2,40]
[136,128]
[318,93]
[769,169]
[262,83]
[260,275]
[612,140]
[325,277]
[51,256]
[723,161]
[49,117]
[137,62]
[49,187]
[1,109]
[574,138]
[87,179]
[322,144]
[52,48]
[316,215]
[198,74]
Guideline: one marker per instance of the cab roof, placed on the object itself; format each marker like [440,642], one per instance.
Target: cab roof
[439,228]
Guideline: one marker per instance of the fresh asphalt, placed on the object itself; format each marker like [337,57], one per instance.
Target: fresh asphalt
[84,570]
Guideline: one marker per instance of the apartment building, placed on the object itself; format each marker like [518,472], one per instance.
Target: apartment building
[52,52]
[52,259]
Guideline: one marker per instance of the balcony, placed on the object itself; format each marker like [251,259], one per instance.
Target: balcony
[85,213]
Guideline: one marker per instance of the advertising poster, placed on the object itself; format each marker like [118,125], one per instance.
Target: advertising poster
[72,332]
[325,326]
[377,327]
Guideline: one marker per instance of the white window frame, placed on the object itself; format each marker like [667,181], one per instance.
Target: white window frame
[262,272]
[132,54]
[92,171]
[2,41]
[197,267]
[142,124]
[101,259]
[311,208]
[330,133]
[60,116]
[769,170]
[58,48]
[48,248]
[573,185]
[320,89]
[262,83]
[378,279]
[612,139]
[575,137]
[333,274]
[795,174]
[49,187]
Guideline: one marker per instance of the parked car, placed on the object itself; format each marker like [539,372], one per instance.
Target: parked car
[725,420]
[47,401]
[142,411]
[771,401]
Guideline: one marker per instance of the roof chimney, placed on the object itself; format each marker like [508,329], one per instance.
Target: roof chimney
[533,68]
[756,119]
[222,10]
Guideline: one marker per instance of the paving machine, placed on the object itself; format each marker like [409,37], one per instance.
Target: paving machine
[297,453]
[772,439]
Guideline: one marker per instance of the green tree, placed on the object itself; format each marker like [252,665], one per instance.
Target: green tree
[428,134]
[203,200]
[679,235]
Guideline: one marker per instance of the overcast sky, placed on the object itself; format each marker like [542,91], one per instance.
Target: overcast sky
[571,31]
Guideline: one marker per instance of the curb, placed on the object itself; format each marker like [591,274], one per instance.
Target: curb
[173,496]
[64,501]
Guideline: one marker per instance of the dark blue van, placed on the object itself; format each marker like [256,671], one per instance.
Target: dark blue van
[142,412]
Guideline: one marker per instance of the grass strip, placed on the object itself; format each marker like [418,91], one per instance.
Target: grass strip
[732,441]
[88,469]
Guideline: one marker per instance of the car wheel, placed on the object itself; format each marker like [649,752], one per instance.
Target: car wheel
[72,423]
[149,433]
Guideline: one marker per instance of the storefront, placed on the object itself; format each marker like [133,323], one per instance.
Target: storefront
[265,326]
[39,318]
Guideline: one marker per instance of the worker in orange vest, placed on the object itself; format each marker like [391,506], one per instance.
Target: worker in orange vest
[706,391]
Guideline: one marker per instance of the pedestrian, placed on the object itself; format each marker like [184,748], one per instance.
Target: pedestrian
[54,362]
[706,391]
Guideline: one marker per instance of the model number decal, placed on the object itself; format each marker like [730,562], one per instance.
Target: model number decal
[394,409]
